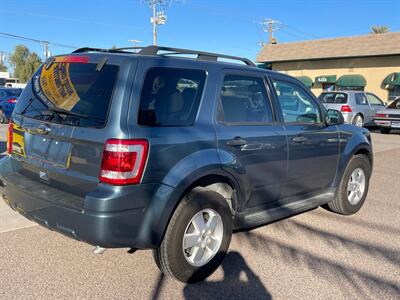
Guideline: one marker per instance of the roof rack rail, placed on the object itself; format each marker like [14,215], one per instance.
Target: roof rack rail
[90,49]
[154,50]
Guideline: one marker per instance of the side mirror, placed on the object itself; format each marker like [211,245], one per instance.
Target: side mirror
[334,117]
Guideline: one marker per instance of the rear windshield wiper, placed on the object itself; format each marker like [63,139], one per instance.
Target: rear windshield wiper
[62,111]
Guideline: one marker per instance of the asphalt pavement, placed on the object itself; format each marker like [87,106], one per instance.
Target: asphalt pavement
[314,255]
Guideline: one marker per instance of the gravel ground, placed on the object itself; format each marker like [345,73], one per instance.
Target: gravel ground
[314,255]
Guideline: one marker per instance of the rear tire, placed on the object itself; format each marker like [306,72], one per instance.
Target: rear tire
[384,130]
[358,120]
[351,194]
[174,258]
[3,118]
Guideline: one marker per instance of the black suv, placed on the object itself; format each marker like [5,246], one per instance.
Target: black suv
[173,149]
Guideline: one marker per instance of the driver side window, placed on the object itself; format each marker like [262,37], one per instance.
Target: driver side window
[296,105]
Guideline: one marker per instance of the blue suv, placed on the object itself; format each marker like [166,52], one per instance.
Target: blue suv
[172,150]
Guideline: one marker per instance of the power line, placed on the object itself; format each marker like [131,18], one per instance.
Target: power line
[45,44]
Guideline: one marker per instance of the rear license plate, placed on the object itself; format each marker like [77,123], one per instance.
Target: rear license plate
[396,124]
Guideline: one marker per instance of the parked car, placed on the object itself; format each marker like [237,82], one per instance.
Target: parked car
[152,151]
[357,107]
[389,117]
[8,99]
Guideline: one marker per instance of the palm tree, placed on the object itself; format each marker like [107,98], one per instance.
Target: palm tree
[377,29]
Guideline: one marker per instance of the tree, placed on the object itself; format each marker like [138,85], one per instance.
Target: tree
[3,68]
[377,29]
[24,62]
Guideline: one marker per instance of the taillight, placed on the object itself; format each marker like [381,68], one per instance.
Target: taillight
[380,116]
[9,138]
[345,108]
[123,161]
[12,100]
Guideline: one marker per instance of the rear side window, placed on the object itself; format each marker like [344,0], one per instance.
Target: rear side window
[338,98]
[171,97]
[79,92]
[244,100]
[361,99]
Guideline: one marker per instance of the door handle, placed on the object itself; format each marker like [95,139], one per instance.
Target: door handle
[299,139]
[43,129]
[236,142]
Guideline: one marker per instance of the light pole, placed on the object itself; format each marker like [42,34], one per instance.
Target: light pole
[135,42]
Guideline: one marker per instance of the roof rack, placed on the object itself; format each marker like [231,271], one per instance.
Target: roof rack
[154,50]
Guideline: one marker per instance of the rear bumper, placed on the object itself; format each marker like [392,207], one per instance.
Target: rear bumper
[348,117]
[113,217]
[386,123]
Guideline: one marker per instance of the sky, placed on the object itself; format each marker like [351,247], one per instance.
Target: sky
[230,27]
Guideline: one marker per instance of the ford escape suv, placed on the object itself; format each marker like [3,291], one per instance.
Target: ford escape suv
[172,150]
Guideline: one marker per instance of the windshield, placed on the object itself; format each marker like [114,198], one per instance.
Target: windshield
[71,93]
[339,98]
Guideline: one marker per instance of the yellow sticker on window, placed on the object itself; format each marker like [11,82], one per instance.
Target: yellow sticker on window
[56,85]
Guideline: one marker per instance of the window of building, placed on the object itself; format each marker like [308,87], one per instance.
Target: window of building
[297,106]
[394,92]
[171,97]
[244,100]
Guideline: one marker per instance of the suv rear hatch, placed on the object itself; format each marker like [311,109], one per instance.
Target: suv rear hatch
[334,100]
[61,122]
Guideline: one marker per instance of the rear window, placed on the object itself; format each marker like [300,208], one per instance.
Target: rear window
[15,92]
[339,98]
[171,97]
[70,93]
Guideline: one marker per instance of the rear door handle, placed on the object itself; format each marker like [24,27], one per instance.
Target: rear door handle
[299,139]
[236,142]
[43,129]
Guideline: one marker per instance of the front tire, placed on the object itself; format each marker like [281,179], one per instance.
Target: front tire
[353,188]
[384,130]
[197,237]
[3,118]
[358,121]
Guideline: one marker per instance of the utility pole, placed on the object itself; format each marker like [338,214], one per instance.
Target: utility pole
[46,49]
[270,26]
[2,57]
[158,15]
[135,43]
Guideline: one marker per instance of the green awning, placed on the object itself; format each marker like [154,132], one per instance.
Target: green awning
[326,79]
[391,80]
[267,66]
[354,80]
[307,81]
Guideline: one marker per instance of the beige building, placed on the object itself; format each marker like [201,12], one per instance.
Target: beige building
[369,62]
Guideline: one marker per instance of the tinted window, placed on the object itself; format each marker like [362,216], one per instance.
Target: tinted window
[373,100]
[15,92]
[361,99]
[296,104]
[73,87]
[171,97]
[339,98]
[244,100]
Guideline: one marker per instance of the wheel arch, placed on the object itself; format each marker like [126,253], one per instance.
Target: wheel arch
[164,203]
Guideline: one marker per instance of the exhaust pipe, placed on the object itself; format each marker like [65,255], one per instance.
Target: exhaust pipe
[99,250]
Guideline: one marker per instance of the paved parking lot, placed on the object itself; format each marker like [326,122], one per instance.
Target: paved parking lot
[317,255]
